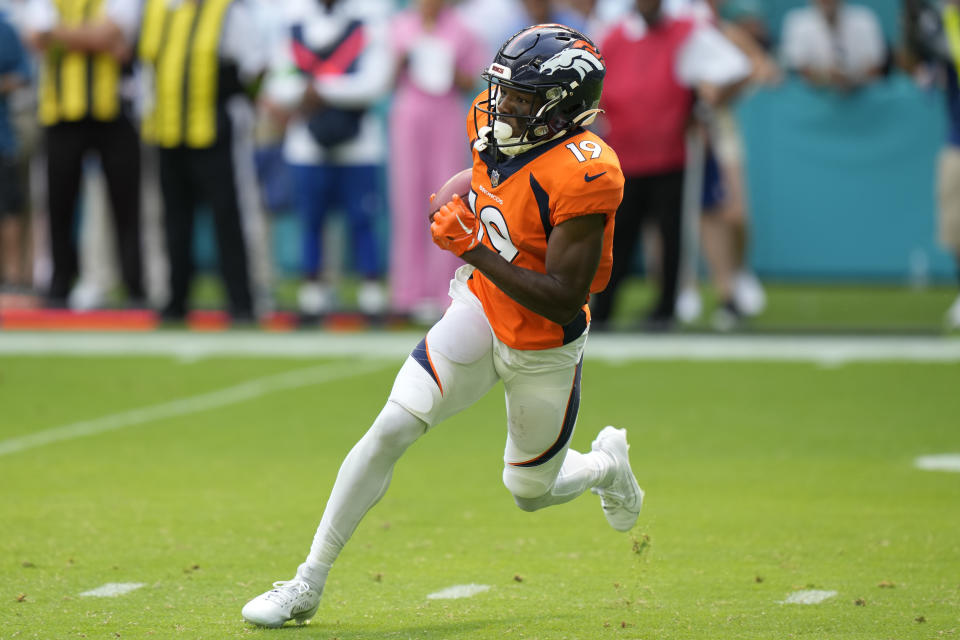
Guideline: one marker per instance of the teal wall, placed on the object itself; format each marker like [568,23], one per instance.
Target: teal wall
[843,186]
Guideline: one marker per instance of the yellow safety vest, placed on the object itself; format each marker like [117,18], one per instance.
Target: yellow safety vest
[180,45]
[75,85]
[951,27]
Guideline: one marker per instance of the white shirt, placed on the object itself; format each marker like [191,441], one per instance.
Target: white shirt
[243,41]
[370,82]
[855,46]
[492,20]
[706,57]
[697,9]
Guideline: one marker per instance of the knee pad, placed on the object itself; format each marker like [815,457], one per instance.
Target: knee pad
[524,484]
[449,370]
[529,504]
[417,391]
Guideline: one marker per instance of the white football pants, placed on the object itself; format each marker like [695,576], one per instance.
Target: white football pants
[454,366]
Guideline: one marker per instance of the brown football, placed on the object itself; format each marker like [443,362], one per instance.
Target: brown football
[458,185]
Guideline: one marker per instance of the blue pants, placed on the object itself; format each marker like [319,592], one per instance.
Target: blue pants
[356,189]
[714,190]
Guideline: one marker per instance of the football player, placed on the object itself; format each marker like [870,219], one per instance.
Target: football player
[536,233]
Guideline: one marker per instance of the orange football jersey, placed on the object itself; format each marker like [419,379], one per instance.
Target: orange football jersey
[519,201]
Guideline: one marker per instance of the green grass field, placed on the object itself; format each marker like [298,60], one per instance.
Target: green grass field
[762,479]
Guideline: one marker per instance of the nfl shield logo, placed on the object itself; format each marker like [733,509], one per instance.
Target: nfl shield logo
[494,177]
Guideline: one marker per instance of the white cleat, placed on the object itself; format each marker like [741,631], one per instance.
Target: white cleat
[953,315]
[86,296]
[748,294]
[371,298]
[689,305]
[315,298]
[288,600]
[623,498]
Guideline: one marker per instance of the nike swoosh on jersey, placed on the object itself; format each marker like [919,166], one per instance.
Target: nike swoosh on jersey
[589,178]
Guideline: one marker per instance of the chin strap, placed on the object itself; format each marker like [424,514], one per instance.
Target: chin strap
[482,141]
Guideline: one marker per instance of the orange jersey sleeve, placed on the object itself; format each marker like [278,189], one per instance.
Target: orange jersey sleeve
[519,201]
[596,187]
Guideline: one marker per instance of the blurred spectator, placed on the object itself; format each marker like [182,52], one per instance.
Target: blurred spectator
[14,73]
[496,20]
[749,15]
[724,224]
[696,9]
[493,21]
[546,11]
[599,16]
[96,275]
[932,40]
[833,44]
[438,60]
[331,69]
[273,174]
[726,228]
[654,60]
[83,107]
[584,10]
[200,60]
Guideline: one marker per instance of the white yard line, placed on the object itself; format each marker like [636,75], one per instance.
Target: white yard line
[939,462]
[809,596]
[824,350]
[459,591]
[192,404]
[113,589]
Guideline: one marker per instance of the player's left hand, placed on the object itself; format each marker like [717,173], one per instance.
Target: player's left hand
[454,227]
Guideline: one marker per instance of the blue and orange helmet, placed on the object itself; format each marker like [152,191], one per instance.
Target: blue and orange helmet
[562,70]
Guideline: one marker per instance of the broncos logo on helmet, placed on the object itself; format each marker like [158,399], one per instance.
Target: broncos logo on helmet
[580,60]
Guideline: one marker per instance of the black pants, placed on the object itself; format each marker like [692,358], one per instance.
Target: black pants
[187,178]
[657,198]
[118,146]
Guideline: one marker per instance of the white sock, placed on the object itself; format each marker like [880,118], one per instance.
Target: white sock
[580,472]
[362,480]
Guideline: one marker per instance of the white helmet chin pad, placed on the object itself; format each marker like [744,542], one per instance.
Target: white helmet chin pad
[502,131]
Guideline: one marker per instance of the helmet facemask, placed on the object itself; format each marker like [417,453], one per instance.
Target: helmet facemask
[530,129]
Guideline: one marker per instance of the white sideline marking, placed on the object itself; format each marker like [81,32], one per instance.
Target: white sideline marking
[614,347]
[113,589]
[941,462]
[810,596]
[193,404]
[459,591]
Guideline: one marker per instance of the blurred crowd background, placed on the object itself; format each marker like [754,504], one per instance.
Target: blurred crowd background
[289,148]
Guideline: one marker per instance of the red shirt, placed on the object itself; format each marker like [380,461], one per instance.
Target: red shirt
[646,106]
